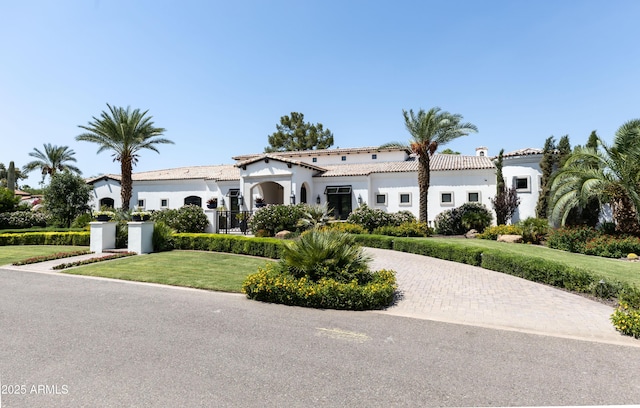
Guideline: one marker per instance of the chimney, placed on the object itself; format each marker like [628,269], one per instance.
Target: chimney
[482,151]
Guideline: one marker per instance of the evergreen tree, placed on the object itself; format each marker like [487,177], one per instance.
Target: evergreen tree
[294,134]
[547,166]
[506,200]
[66,197]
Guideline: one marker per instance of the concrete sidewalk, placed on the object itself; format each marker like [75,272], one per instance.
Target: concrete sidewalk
[435,289]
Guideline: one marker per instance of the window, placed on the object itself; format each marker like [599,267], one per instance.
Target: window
[164,203]
[405,198]
[381,199]
[193,200]
[140,203]
[446,198]
[522,184]
[473,197]
[481,154]
[374,156]
[314,160]
[344,158]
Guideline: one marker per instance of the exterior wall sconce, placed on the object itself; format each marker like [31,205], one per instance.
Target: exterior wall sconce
[359,199]
[240,200]
[222,201]
[292,199]
[318,199]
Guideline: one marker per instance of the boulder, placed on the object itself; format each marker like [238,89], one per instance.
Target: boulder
[282,234]
[471,233]
[515,239]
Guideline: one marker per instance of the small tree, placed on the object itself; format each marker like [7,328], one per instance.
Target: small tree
[547,166]
[295,134]
[66,197]
[8,200]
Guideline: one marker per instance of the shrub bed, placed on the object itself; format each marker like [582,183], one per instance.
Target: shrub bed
[46,238]
[24,219]
[492,232]
[51,257]
[406,229]
[94,260]
[271,284]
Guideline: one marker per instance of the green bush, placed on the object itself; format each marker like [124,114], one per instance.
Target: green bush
[269,220]
[450,222]
[24,219]
[325,254]
[612,246]
[374,241]
[571,239]
[162,238]
[8,200]
[188,218]
[346,227]
[435,249]
[370,218]
[493,232]
[627,320]
[82,221]
[46,238]
[406,229]
[534,230]
[272,284]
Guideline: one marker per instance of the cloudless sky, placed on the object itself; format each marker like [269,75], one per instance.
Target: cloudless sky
[218,75]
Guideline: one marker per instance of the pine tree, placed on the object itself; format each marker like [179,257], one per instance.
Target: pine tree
[547,166]
[506,200]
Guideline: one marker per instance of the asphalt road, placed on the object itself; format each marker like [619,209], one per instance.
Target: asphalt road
[69,341]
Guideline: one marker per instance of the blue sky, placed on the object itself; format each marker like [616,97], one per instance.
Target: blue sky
[219,75]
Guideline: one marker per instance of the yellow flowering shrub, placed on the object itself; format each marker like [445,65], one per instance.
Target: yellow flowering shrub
[271,284]
[627,320]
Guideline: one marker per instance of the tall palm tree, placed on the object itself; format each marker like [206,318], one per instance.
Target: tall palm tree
[430,130]
[125,132]
[54,158]
[609,174]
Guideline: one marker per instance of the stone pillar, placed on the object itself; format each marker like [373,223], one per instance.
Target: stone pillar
[140,237]
[103,236]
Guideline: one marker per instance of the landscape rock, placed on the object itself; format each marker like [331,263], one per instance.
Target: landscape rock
[282,234]
[471,233]
[515,239]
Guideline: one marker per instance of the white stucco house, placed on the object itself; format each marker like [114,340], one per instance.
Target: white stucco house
[345,178]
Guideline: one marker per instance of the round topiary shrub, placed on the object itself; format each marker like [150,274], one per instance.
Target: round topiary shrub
[189,218]
[277,217]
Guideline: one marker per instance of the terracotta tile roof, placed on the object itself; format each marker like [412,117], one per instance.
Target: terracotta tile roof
[528,151]
[224,172]
[271,156]
[325,152]
[443,162]
[439,162]
[219,172]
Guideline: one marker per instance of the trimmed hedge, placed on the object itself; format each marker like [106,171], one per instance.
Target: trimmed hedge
[272,285]
[262,247]
[46,238]
[374,241]
[449,252]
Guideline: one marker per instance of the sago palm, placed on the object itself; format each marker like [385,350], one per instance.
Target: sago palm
[430,130]
[610,174]
[125,133]
[52,159]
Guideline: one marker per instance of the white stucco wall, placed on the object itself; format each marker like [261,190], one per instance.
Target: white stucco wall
[354,157]
[524,167]
[459,183]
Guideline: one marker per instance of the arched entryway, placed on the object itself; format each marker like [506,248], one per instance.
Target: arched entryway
[303,194]
[269,192]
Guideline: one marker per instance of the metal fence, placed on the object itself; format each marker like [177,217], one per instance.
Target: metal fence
[233,222]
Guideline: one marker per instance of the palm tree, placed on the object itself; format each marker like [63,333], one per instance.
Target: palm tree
[609,174]
[430,130]
[125,132]
[54,158]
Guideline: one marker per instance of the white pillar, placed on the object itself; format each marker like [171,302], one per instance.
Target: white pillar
[103,236]
[140,237]
[212,216]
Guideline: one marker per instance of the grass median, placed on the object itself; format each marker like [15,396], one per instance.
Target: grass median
[193,269]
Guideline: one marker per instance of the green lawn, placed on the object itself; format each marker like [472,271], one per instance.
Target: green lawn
[606,267]
[194,269]
[13,253]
